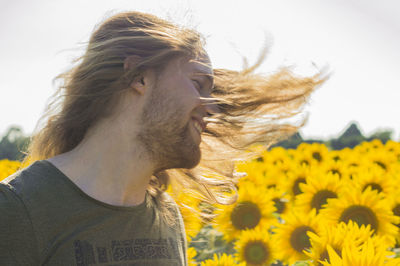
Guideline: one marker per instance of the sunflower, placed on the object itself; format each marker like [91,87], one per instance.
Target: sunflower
[276,156]
[283,168]
[395,207]
[273,177]
[376,178]
[189,206]
[254,247]
[372,253]
[394,148]
[290,237]
[352,164]
[268,173]
[381,158]
[281,200]
[191,253]
[317,151]
[336,237]
[262,175]
[8,167]
[258,174]
[336,155]
[334,167]
[222,260]
[350,157]
[303,159]
[191,216]
[319,187]
[294,179]
[254,208]
[275,169]
[251,168]
[366,207]
[368,146]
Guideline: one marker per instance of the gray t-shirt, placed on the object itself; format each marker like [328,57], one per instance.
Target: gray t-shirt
[46,219]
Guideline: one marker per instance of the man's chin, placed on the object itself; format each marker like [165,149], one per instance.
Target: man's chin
[186,161]
[191,160]
[195,163]
[190,154]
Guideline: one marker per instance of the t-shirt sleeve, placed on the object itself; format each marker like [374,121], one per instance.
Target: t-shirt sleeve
[180,230]
[18,244]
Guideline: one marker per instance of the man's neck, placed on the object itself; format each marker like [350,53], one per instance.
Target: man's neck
[105,171]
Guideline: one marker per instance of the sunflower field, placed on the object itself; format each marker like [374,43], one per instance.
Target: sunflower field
[304,206]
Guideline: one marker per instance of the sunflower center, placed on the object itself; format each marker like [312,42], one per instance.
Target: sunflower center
[245,215]
[279,161]
[299,238]
[321,197]
[317,156]
[256,252]
[361,215]
[373,186]
[335,171]
[396,211]
[325,255]
[296,188]
[305,162]
[279,205]
[381,164]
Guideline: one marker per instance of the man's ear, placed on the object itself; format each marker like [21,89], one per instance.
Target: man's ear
[139,84]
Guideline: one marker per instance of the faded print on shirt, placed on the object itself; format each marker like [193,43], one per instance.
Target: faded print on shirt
[128,252]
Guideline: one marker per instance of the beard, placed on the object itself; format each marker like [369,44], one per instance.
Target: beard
[166,134]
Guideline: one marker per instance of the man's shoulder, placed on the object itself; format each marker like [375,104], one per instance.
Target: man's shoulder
[12,207]
[19,242]
[9,200]
[25,181]
[170,202]
[39,189]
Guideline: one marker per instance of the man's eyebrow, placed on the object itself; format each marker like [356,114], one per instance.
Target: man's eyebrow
[208,76]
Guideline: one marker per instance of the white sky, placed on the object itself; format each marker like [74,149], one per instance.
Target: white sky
[358,39]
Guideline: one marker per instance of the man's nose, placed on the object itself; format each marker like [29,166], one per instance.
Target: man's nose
[211,108]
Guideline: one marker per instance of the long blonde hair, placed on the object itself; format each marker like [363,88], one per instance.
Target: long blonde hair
[92,89]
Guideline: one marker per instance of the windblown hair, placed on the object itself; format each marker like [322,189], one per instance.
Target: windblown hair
[252,105]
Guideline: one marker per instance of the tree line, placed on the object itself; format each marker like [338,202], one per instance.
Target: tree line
[14,142]
[350,138]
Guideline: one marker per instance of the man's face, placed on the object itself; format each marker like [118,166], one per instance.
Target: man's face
[172,118]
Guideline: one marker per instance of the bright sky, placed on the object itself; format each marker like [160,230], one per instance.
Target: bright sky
[358,39]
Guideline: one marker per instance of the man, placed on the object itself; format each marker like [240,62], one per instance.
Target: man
[129,120]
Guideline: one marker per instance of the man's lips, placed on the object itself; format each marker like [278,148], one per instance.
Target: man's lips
[201,122]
